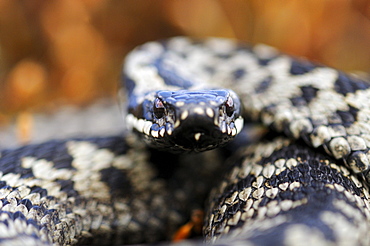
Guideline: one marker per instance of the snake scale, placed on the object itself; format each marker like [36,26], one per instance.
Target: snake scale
[303,182]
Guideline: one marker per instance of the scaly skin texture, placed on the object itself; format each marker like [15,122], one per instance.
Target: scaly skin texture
[107,190]
[324,106]
[114,190]
[284,193]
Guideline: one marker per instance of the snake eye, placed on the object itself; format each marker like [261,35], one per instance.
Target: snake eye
[158,108]
[229,106]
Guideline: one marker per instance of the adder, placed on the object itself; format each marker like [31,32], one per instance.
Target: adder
[305,181]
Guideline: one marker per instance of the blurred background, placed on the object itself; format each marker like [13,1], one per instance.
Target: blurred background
[61,52]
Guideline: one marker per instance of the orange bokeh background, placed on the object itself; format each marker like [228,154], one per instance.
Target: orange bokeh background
[68,51]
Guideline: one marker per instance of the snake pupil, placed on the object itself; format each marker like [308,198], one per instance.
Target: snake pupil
[229,106]
[158,108]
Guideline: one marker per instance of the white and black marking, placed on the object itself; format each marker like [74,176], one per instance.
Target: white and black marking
[293,96]
[267,197]
[278,191]
[91,186]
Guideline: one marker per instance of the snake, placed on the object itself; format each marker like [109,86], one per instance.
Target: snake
[189,105]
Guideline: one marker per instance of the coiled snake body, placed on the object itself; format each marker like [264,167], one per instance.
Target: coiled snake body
[308,185]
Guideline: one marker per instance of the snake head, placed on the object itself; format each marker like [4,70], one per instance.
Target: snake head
[188,120]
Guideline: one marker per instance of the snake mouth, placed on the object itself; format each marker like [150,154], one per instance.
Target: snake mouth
[200,134]
[199,139]
[196,134]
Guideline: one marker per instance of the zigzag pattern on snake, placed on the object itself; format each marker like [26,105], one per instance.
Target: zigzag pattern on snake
[309,186]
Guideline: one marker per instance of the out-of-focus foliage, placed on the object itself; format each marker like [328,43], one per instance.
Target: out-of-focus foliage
[71,51]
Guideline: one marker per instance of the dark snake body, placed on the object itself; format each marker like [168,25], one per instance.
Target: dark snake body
[280,191]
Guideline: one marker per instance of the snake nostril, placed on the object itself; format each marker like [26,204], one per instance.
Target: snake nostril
[229,106]
[158,108]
